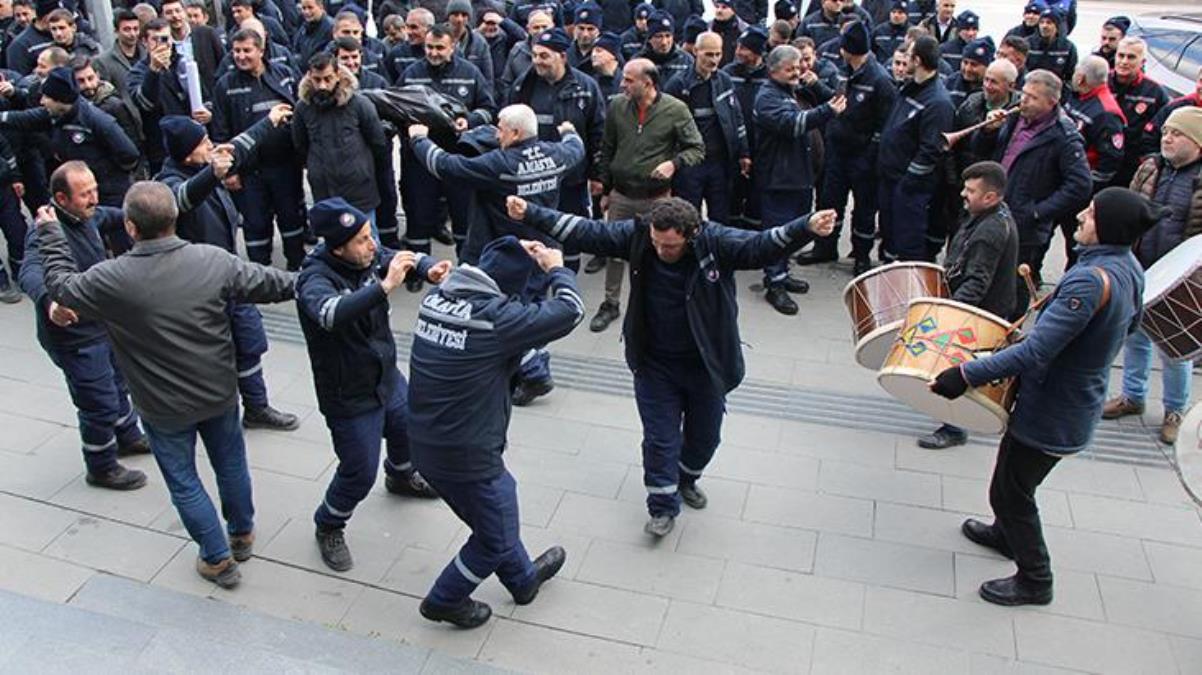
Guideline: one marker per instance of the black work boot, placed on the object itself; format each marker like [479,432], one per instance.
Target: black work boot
[779,298]
[467,614]
[606,315]
[269,418]
[1014,591]
[138,447]
[823,252]
[795,285]
[409,484]
[117,478]
[692,495]
[334,552]
[985,535]
[595,264]
[526,391]
[546,566]
[943,438]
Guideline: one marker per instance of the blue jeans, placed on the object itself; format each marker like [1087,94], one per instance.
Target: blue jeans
[175,451]
[357,444]
[1137,364]
[681,411]
[490,509]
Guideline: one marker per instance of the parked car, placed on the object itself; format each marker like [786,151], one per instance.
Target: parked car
[1174,48]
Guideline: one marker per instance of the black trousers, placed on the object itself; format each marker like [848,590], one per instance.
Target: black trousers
[1020,469]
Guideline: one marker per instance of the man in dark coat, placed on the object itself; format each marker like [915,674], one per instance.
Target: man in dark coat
[981,262]
[342,297]
[471,332]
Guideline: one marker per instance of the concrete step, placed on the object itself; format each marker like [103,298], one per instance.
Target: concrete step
[118,625]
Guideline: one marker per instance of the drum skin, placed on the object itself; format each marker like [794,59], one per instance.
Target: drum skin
[877,301]
[939,334]
[1172,315]
[1189,449]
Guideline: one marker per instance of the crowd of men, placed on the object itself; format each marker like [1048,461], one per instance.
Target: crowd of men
[605,128]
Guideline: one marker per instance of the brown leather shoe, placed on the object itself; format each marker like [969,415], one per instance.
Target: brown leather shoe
[242,546]
[1168,430]
[1121,406]
[224,573]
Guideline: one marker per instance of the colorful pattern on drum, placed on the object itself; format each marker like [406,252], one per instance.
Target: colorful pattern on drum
[917,337]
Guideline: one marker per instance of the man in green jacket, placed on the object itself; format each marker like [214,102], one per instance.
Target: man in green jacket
[647,137]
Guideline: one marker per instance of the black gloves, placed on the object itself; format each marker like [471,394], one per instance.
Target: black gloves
[950,384]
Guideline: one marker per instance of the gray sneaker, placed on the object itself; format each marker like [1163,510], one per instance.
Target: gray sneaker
[10,294]
[660,526]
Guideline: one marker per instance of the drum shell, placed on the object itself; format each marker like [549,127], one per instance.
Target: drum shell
[877,303]
[940,334]
[1173,321]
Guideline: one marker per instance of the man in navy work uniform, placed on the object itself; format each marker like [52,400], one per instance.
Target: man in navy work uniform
[1064,363]
[471,332]
[524,166]
[79,346]
[271,186]
[207,216]
[681,332]
[342,294]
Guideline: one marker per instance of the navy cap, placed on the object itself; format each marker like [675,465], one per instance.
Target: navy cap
[693,27]
[60,85]
[1052,13]
[784,10]
[855,39]
[610,42]
[755,39]
[899,5]
[336,221]
[968,19]
[507,263]
[661,22]
[1035,7]
[979,50]
[589,14]
[556,39]
[644,10]
[1120,22]
[181,135]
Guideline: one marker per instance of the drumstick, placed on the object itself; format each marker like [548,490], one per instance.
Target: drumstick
[1024,271]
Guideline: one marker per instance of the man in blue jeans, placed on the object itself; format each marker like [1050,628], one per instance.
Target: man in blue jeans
[163,305]
[1170,179]
[342,294]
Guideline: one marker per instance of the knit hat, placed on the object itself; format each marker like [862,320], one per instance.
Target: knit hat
[568,9]
[855,39]
[461,7]
[1035,7]
[60,85]
[693,27]
[784,10]
[556,39]
[356,10]
[1187,120]
[507,263]
[754,39]
[1122,216]
[1120,22]
[644,11]
[610,42]
[336,221]
[43,8]
[589,14]
[968,19]
[979,50]
[181,135]
[901,5]
[661,22]
[1052,13]
[728,3]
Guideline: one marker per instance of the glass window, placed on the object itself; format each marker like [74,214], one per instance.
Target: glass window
[1165,46]
[1191,61]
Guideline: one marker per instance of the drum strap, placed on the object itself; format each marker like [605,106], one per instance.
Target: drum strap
[1105,289]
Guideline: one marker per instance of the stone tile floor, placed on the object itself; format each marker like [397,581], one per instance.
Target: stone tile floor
[826,548]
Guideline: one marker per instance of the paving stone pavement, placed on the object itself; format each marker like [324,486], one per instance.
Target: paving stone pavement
[826,547]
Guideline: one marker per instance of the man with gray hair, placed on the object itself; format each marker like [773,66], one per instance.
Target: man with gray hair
[164,306]
[997,93]
[522,165]
[1044,157]
[417,23]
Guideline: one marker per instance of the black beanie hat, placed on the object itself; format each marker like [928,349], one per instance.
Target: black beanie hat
[1122,216]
